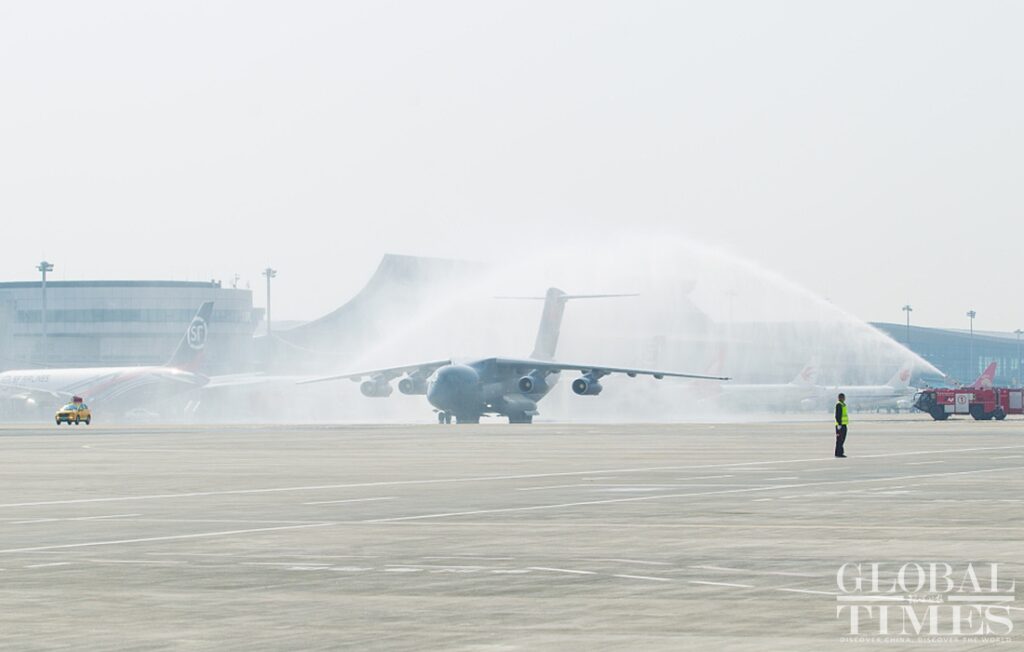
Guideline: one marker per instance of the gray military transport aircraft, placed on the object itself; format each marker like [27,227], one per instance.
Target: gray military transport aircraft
[507,387]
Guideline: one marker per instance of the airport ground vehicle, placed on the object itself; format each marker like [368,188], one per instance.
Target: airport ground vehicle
[75,412]
[982,404]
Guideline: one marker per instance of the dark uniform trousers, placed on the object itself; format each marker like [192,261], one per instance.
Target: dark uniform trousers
[840,439]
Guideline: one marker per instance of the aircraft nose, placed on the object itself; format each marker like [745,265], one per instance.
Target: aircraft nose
[450,386]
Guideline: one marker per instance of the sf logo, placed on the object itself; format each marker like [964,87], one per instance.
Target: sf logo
[197,333]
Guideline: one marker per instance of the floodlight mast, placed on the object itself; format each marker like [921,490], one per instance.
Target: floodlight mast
[270,273]
[45,267]
[908,309]
[972,364]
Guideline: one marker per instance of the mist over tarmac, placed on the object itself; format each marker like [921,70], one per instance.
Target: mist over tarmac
[696,309]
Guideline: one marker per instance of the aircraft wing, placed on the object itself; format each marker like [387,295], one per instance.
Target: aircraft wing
[602,370]
[423,369]
[248,379]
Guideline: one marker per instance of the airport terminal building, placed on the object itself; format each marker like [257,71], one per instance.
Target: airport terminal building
[114,323]
[961,355]
[121,323]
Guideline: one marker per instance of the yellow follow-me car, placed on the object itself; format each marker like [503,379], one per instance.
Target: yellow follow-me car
[74,413]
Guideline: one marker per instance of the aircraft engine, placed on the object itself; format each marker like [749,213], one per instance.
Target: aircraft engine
[586,386]
[531,383]
[412,385]
[376,388]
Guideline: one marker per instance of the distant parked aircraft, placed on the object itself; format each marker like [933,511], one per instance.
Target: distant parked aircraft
[987,377]
[799,393]
[126,386]
[895,394]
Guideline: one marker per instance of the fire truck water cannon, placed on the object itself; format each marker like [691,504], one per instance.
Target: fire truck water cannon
[980,404]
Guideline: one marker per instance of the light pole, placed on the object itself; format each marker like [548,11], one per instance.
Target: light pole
[270,273]
[908,309]
[45,267]
[972,367]
[1018,333]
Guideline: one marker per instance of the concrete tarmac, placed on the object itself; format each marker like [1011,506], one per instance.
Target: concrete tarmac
[491,537]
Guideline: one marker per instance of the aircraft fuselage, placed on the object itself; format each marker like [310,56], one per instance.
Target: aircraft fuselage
[469,391]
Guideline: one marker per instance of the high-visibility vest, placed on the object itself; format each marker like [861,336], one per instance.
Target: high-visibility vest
[845,419]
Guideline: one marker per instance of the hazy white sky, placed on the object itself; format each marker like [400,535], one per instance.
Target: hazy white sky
[871,151]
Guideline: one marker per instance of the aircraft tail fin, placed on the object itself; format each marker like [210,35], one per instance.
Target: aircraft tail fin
[551,319]
[189,353]
[715,367]
[984,381]
[711,390]
[808,375]
[902,377]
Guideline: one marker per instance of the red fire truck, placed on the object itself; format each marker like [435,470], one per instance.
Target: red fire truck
[982,404]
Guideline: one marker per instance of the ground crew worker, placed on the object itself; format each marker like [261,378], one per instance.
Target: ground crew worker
[842,420]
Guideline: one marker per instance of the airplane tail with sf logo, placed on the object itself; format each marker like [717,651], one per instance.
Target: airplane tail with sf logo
[189,354]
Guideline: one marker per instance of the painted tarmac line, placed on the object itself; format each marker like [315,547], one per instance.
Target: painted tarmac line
[149,450]
[812,592]
[536,525]
[563,570]
[462,566]
[709,477]
[630,486]
[472,557]
[158,562]
[76,518]
[246,521]
[555,486]
[644,577]
[276,556]
[729,584]
[752,572]
[289,564]
[928,462]
[50,565]
[175,537]
[396,483]
[634,561]
[349,500]
[609,501]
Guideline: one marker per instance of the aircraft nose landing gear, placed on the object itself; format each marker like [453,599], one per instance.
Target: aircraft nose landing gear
[444,417]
